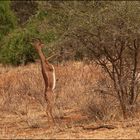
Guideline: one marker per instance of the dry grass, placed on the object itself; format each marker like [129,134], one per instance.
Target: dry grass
[24,85]
[22,106]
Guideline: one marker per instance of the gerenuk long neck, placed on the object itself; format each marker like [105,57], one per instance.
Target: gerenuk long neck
[41,55]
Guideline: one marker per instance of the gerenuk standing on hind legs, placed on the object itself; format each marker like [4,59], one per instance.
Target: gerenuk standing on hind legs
[48,73]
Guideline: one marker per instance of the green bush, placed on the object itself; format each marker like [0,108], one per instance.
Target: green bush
[8,20]
[16,49]
[16,46]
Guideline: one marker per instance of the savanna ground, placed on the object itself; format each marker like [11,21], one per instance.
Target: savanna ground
[79,107]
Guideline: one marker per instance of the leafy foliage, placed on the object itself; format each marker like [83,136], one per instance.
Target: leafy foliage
[24,10]
[73,25]
[7,18]
[16,47]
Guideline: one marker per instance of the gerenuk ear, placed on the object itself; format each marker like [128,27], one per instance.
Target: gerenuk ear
[36,40]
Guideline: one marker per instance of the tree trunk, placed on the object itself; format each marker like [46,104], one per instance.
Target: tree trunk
[124,105]
[124,111]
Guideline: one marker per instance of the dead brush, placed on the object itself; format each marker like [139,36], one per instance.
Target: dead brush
[102,103]
[21,91]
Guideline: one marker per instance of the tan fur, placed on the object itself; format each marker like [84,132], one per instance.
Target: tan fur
[48,73]
[54,78]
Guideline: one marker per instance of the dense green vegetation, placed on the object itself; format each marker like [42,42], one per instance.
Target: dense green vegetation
[7,18]
[16,38]
[64,25]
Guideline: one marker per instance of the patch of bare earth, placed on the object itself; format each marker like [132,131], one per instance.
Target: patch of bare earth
[11,126]
[22,106]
